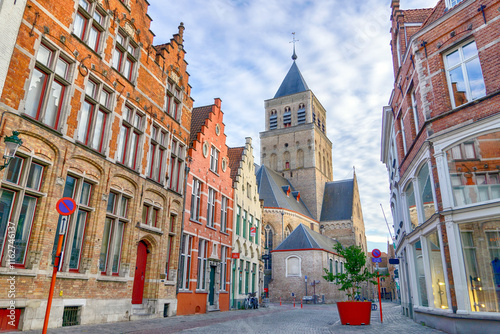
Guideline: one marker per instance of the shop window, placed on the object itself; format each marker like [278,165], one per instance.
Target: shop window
[475,178]
[223,267]
[411,205]
[481,253]
[419,271]
[425,192]
[437,271]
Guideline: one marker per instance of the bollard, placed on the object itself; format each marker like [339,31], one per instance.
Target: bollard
[293,301]
[280,301]
[301,304]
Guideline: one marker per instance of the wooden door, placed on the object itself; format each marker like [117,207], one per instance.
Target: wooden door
[140,273]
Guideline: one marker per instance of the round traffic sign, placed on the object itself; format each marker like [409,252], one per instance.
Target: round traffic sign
[376,253]
[66,206]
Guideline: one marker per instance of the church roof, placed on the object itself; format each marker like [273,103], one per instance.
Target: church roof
[337,200]
[305,238]
[272,189]
[293,83]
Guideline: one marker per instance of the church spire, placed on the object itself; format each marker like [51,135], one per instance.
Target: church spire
[294,56]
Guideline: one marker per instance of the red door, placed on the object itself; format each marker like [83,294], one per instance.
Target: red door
[140,273]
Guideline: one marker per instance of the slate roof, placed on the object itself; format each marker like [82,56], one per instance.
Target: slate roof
[270,187]
[234,155]
[293,83]
[305,238]
[198,117]
[337,200]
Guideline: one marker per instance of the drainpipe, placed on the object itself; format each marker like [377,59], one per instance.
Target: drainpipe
[187,169]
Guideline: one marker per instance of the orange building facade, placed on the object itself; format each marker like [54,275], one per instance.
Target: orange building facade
[204,282]
[104,116]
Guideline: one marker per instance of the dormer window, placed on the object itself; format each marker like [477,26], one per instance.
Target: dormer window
[452,3]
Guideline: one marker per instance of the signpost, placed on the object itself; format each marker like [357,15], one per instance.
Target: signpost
[376,258]
[65,207]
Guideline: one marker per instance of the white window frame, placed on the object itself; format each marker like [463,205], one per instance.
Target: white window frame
[223,213]
[201,279]
[214,159]
[211,198]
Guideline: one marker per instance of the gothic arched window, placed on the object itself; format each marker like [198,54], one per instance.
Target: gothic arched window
[300,159]
[274,162]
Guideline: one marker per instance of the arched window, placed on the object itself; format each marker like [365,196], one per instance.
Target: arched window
[331,266]
[286,160]
[287,117]
[268,244]
[293,266]
[288,231]
[273,120]
[336,267]
[411,205]
[300,159]
[273,161]
[301,114]
[425,190]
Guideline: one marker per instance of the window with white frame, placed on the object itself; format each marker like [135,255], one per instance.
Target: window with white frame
[465,78]
[411,204]
[202,264]
[214,160]
[170,245]
[89,24]
[79,189]
[425,192]
[48,86]
[157,159]
[185,262]
[420,274]
[129,139]
[438,286]
[211,207]
[223,267]
[223,214]
[173,101]
[250,225]
[403,134]
[293,266]
[196,200]
[125,55]
[474,176]
[151,215]
[452,3]
[19,195]
[112,237]
[414,108]
[94,115]
[176,168]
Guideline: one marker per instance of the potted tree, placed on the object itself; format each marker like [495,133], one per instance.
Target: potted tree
[352,312]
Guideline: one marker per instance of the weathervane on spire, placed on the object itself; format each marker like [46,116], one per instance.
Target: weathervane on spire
[294,56]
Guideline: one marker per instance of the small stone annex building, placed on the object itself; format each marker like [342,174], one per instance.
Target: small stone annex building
[246,268]
[298,267]
[203,283]
[295,177]
[104,118]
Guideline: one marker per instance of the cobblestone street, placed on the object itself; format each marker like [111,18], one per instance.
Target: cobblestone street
[274,319]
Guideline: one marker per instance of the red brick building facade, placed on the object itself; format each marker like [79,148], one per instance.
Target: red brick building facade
[204,279]
[104,116]
[441,145]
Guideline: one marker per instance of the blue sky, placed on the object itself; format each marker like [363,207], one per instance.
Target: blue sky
[240,51]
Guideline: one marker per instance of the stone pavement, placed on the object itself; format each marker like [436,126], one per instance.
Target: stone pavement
[274,319]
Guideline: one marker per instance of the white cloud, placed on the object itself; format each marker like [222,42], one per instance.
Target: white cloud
[239,50]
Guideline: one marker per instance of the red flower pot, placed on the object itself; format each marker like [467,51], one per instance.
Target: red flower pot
[354,313]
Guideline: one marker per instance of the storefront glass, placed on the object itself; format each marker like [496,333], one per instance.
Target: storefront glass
[481,252]
[419,270]
[437,272]
[474,167]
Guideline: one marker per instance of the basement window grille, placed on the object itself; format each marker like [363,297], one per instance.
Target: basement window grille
[71,316]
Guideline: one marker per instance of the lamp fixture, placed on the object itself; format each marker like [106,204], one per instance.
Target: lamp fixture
[12,143]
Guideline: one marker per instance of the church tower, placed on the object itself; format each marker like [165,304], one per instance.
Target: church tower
[294,143]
